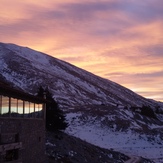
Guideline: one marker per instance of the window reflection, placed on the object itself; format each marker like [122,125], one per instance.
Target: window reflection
[5,105]
[18,108]
[14,106]
[0,104]
[38,110]
[26,108]
[31,109]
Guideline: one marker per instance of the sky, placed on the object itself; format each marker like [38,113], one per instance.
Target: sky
[121,40]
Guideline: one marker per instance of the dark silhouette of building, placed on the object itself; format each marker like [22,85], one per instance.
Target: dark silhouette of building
[22,126]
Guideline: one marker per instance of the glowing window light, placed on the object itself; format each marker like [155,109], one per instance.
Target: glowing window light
[32,109]
[38,110]
[20,107]
[26,109]
[14,107]
[5,105]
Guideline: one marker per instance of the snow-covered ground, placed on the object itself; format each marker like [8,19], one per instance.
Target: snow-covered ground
[130,143]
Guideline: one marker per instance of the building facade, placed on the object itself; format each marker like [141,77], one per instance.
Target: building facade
[22,127]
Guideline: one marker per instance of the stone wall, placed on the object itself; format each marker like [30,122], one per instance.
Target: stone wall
[30,132]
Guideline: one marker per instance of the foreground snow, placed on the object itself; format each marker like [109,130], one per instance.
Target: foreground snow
[129,142]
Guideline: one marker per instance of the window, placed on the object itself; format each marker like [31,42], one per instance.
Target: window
[14,107]
[26,109]
[38,110]
[5,106]
[20,108]
[0,103]
[11,155]
[32,109]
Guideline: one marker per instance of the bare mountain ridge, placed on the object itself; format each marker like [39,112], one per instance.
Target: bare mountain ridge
[71,86]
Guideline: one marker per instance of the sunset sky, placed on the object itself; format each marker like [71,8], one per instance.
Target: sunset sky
[121,40]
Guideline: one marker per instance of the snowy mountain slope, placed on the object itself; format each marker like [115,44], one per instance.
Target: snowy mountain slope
[98,110]
[122,130]
[61,147]
[71,86]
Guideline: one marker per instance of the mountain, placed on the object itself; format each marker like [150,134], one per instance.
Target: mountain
[28,69]
[98,110]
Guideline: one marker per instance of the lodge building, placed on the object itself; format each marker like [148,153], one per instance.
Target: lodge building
[22,127]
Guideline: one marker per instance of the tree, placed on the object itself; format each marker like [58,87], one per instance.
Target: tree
[55,118]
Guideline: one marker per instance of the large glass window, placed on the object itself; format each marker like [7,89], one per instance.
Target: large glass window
[26,108]
[20,107]
[38,110]
[14,107]
[32,106]
[5,105]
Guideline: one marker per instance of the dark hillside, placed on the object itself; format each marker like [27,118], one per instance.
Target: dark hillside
[64,148]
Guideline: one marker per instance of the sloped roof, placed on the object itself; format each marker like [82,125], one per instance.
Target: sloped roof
[7,90]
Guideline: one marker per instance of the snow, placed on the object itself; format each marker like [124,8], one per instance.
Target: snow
[50,144]
[129,114]
[152,126]
[129,142]
[72,153]
[29,54]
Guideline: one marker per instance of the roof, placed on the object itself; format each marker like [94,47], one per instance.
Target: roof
[7,90]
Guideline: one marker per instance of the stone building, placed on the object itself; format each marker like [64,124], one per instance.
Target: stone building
[22,127]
